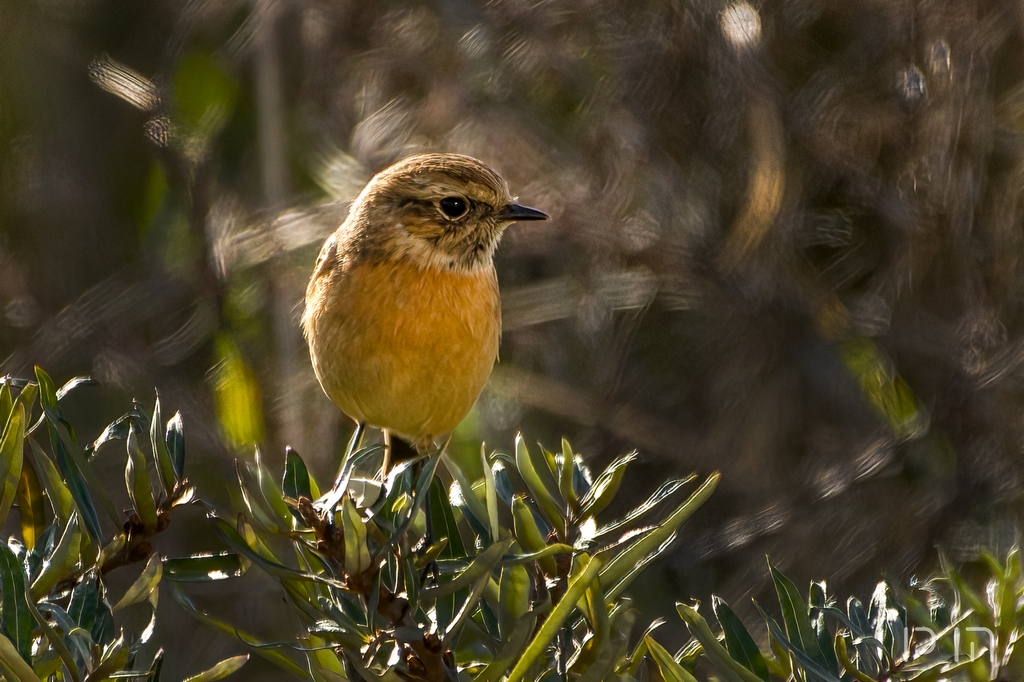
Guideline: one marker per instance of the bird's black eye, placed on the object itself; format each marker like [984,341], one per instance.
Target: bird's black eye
[454,207]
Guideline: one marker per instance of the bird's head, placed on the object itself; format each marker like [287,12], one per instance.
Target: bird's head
[441,211]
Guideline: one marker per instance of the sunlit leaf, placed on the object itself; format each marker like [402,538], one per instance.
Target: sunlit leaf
[475,512]
[13,665]
[481,565]
[204,567]
[515,595]
[59,641]
[589,568]
[62,562]
[542,489]
[174,437]
[621,569]
[490,496]
[357,554]
[143,585]
[606,486]
[58,494]
[528,534]
[718,654]
[670,670]
[12,457]
[231,536]
[74,383]
[221,670]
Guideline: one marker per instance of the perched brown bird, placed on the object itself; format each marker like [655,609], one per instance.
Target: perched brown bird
[402,311]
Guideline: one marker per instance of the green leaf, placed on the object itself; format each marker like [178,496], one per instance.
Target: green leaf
[6,404]
[232,537]
[795,616]
[482,565]
[605,487]
[586,572]
[203,568]
[468,607]
[566,474]
[13,666]
[113,660]
[61,500]
[528,534]
[175,440]
[56,639]
[268,489]
[445,525]
[664,491]
[136,477]
[325,663]
[490,495]
[221,670]
[74,383]
[89,609]
[296,482]
[716,653]
[31,507]
[514,594]
[812,668]
[156,667]
[738,641]
[817,601]
[515,643]
[612,655]
[161,454]
[27,397]
[476,510]
[670,670]
[17,621]
[553,511]
[623,568]
[12,457]
[357,553]
[143,585]
[47,389]
[70,469]
[62,562]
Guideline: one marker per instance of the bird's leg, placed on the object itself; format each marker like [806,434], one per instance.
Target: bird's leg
[386,465]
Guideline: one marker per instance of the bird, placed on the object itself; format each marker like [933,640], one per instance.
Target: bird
[402,312]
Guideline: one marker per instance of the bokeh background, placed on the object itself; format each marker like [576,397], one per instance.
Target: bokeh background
[785,244]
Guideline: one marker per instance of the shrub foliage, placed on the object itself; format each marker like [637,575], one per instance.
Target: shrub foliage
[429,575]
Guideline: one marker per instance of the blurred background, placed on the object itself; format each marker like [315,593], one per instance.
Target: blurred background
[785,244]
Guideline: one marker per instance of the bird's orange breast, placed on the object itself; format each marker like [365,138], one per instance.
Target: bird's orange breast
[404,348]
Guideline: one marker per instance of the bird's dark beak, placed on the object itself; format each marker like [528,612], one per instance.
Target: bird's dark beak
[515,212]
